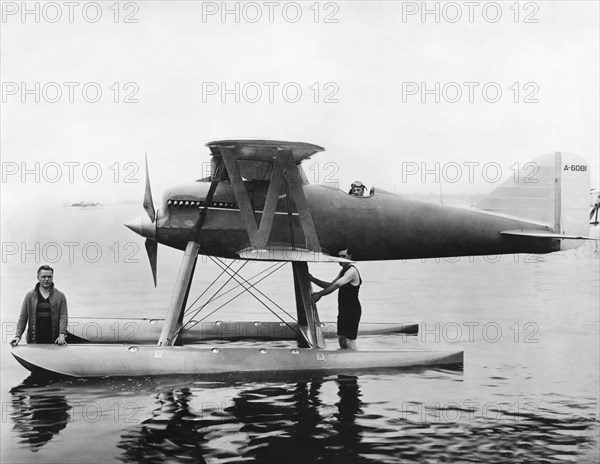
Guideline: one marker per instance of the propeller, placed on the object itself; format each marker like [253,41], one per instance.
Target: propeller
[148,204]
[152,250]
[151,245]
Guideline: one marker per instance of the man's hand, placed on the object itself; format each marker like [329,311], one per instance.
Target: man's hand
[15,341]
[316,297]
[61,340]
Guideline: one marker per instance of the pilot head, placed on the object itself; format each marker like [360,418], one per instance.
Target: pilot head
[357,188]
[346,255]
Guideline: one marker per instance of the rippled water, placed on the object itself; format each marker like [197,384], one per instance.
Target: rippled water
[528,392]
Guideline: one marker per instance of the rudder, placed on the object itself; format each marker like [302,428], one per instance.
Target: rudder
[552,189]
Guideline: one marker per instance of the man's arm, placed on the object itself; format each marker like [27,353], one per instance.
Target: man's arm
[63,316]
[22,323]
[337,283]
[63,321]
[320,283]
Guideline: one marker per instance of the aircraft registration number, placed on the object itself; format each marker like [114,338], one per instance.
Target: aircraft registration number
[575,167]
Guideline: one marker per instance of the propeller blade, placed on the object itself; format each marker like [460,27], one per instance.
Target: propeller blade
[148,204]
[152,250]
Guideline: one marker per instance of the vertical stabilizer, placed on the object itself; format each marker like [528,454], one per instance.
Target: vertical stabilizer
[552,189]
[574,198]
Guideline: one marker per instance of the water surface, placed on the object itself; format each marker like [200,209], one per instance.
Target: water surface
[528,392]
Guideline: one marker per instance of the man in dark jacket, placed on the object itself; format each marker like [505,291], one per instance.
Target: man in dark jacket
[44,312]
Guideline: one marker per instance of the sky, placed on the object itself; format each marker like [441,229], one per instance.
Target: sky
[405,96]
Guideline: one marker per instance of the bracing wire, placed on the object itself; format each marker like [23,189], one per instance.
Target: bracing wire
[205,290]
[253,286]
[245,289]
[195,322]
[232,289]
[214,296]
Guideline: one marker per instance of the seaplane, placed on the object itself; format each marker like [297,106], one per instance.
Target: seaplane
[257,205]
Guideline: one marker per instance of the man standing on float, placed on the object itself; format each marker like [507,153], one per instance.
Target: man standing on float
[348,283]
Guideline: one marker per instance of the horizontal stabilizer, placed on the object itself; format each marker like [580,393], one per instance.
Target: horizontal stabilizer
[545,234]
[289,254]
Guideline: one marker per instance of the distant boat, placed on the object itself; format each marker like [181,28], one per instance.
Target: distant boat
[83,204]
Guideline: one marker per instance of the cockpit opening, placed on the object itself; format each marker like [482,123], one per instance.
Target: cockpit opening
[358,189]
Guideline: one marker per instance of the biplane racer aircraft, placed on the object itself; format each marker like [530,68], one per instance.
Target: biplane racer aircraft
[258,205]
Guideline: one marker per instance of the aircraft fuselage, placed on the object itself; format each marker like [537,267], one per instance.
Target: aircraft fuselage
[383,226]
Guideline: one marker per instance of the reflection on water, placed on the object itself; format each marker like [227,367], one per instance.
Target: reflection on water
[170,433]
[508,437]
[39,412]
[294,425]
[316,419]
[274,423]
[348,437]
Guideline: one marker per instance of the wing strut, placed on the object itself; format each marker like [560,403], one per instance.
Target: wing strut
[284,171]
[308,317]
[288,201]
[284,174]
[174,318]
[177,304]
[285,159]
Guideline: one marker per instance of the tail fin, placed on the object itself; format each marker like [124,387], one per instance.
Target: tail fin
[552,189]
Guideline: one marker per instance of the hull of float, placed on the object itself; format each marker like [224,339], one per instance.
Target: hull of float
[104,330]
[124,360]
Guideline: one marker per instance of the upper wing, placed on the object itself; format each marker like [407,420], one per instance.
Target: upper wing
[280,167]
[263,150]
